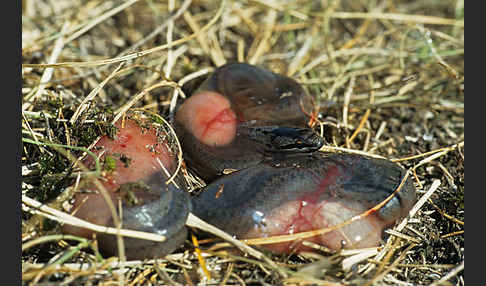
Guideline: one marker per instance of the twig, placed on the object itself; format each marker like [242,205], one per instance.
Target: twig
[263,45]
[435,185]
[47,74]
[133,55]
[59,216]
[122,110]
[100,19]
[194,221]
[449,275]
[93,93]
[423,19]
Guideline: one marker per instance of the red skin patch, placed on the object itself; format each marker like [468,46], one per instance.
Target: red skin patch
[332,193]
[300,216]
[209,117]
[138,154]
[309,213]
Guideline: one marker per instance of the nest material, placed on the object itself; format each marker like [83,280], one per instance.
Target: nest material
[388,79]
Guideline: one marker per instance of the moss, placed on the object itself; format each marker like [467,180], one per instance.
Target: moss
[52,163]
[85,134]
[53,176]
[109,163]
[156,119]
[92,124]
[50,186]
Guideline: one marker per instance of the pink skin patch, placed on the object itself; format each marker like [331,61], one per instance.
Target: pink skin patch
[309,213]
[142,149]
[138,154]
[301,216]
[325,192]
[209,117]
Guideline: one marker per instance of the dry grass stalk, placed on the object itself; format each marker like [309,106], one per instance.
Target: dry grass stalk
[389,83]
[62,217]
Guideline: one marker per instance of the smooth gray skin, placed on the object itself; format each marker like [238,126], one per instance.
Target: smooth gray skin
[270,152]
[270,110]
[231,201]
[162,210]
[261,95]
[264,101]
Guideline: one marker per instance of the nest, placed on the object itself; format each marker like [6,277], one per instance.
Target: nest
[388,78]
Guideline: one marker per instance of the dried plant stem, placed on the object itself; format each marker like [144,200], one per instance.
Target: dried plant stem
[194,221]
[132,55]
[100,19]
[62,217]
[423,19]
[449,275]
[435,185]
[122,110]
[92,94]
[47,74]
